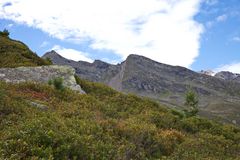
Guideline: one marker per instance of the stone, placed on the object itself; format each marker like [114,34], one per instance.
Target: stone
[38,105]
[41,74]
[234,121]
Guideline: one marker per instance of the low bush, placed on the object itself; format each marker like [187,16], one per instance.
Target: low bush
[104,124]
[57,83]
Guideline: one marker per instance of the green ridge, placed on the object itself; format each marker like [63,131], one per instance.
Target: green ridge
[15,54]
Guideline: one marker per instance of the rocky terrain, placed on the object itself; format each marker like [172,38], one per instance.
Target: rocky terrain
[207,72]
[228,76]
[42,74]
[97,71]
[167,84]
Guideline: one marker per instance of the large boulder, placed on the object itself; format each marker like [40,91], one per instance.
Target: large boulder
[41,74]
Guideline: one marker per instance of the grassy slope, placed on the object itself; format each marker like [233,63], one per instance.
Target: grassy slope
[104,124]
[15,54]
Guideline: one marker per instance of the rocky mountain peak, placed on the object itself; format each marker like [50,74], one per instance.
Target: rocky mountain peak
[207,72]
[100,64]
[135,57]
[51,53]
[228,76]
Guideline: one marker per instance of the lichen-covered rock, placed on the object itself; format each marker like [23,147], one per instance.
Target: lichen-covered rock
[38,105]
[41,74]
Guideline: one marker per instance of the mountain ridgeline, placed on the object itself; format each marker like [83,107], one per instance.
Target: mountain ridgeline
[219,96]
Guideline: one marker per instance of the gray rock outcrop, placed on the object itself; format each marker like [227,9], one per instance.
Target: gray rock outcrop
[98,71]
[228,76]
[41,74]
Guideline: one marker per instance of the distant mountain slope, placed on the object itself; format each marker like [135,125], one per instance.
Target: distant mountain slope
[97,71]
[164,83]
[15,54]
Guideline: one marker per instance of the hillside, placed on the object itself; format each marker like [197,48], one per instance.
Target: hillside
[45,119]
[218,98]
[15,54]
[103,124]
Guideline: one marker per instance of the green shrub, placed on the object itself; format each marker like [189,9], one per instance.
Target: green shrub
[207,146]
[104,124]
[48,60]
[4,33]
[178,113]
[57,83]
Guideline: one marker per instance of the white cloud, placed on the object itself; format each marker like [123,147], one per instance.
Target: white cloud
[211,2]
[10,25]
[44,44]
[209,24]
[237,39]
[72,54]
[222,18]
[217,20]
[233,67]
[163,30]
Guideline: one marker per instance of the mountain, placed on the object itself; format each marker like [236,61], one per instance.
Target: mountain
[15,54]
[207,72]
[167,84]
[97,71]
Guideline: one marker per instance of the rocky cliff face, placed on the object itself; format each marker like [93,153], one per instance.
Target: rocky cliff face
[164,83]
[207,72]
[228,76]
[41,75]
[97,71]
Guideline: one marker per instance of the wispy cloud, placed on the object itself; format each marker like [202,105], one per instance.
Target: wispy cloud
[72,54]
[218,19]
[44,44]
[165,30]
[10,25]
[236,39]
[233,67]
[211,2]
[222,18]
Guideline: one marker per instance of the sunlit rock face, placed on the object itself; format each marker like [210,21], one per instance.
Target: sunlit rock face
[41,74]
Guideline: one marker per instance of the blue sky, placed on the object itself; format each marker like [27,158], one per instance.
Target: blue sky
[198,34]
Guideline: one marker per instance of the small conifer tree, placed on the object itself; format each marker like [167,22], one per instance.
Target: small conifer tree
[191,102]
[5,33]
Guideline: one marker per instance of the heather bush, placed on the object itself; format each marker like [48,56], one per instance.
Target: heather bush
[104,124]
